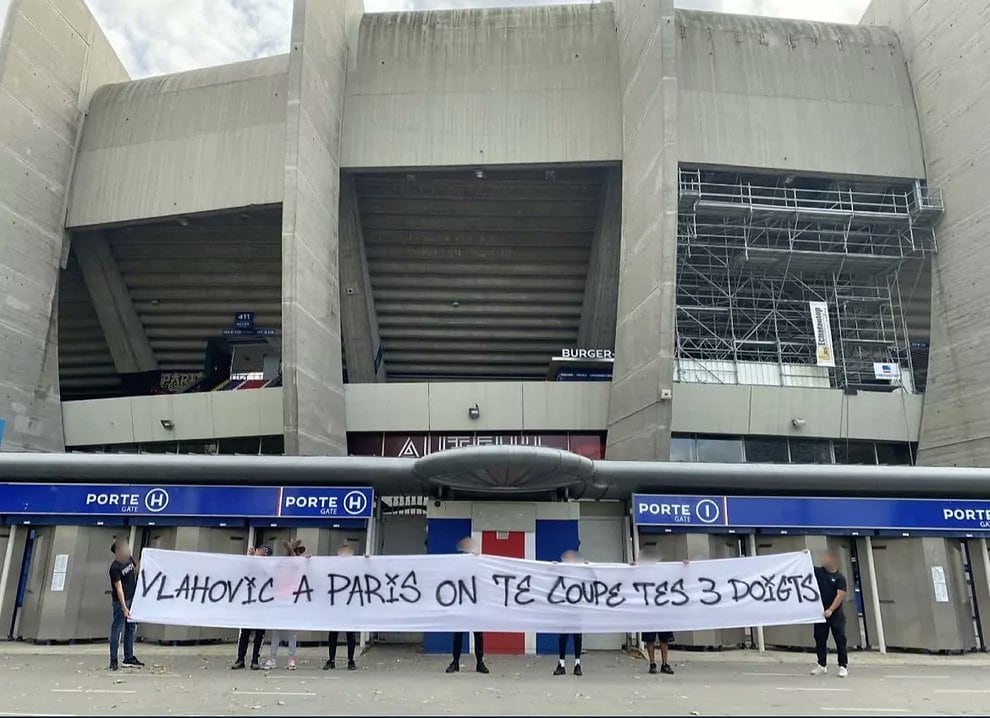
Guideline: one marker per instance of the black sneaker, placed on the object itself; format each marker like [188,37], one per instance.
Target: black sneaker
[238,665]
[482,668]
[454,667]
[112,666]
[329,665]
[133,662]
[351,666]
[255,666]
[559,670]
[577,670]
[665,668]
[653,668]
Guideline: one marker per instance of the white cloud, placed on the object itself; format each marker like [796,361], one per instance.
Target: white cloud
[159,36]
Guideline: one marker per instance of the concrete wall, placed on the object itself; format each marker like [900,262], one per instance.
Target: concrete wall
[948,54]
[52,58]
[783,94]
[638,419]
[311,348]
[505,406]
[209,415]
[178,144]
[768,411]
[483,87]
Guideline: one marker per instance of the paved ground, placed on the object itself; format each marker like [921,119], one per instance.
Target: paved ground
[396,681]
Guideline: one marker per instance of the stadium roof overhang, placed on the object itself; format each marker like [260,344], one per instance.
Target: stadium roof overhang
[501,472]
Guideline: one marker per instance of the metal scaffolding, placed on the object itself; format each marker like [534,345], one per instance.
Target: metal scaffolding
[753,251]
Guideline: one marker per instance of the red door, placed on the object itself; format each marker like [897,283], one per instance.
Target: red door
[511,544]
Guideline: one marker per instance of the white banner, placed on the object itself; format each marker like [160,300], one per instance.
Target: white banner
[824,355]
[472,593]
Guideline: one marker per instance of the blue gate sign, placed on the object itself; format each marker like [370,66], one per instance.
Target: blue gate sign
[304,502]
[185,501]
[786,512]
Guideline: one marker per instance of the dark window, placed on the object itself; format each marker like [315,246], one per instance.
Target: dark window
[160,447]
[723,451]
[241,445]
[894,453]
[854,452]
[766,451]
[197,447]
[273,444]
[810,451]
[682,449]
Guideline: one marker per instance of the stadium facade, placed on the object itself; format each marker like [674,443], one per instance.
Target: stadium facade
[621,230]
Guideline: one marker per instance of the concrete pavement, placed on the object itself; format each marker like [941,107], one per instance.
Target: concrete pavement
[73,680]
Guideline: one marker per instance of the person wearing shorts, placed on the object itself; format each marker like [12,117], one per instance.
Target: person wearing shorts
[664,638]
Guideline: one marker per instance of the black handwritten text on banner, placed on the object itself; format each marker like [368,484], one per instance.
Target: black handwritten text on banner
[472,593]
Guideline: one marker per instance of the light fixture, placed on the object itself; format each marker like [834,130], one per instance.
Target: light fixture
[183,222]
[479,174]
[167,424]
[474,412]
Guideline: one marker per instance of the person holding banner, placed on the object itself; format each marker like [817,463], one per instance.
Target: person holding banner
[345,550]
[245,635]
[466,545]
[569,556]
[832,588]
[287,584]
[123,585]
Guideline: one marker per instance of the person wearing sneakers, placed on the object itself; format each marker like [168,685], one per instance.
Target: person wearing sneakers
[466,545]
[568,557]
[664,638]
[832,587]
[345,550]
[123,585]
[287,584]
[245,635]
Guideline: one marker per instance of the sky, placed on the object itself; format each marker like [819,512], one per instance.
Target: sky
[153,37]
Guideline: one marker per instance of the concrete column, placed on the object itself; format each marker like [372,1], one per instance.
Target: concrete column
[639,406]
[697,547]
[41,133]
[313,396]
[122,327]
[791,636]
[358,320]
[597,329]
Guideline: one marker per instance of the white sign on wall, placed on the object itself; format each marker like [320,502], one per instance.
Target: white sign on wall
[472,593]
[824,354]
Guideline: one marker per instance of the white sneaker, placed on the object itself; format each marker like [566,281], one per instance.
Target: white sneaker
[269,664]
[843,672]
[819,670]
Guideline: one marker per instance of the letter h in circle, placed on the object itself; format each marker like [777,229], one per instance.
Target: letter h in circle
[355,502]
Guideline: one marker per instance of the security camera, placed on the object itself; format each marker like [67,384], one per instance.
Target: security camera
[798,423]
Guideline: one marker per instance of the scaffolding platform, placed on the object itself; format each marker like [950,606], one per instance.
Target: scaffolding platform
[753,252]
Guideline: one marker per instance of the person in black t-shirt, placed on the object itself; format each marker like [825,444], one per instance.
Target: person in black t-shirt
[244,637]
[569,556]
[466,545]
[832,587]
[123,584]
[333,636]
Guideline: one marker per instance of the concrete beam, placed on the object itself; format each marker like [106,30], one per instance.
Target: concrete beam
[639,416]
[601,291]
[119,319]
[358,319]
[52,57]
[312,361]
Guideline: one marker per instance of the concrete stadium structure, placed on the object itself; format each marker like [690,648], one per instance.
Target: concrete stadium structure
[381,243]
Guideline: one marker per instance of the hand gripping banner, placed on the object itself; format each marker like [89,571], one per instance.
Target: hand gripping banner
[464,592]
